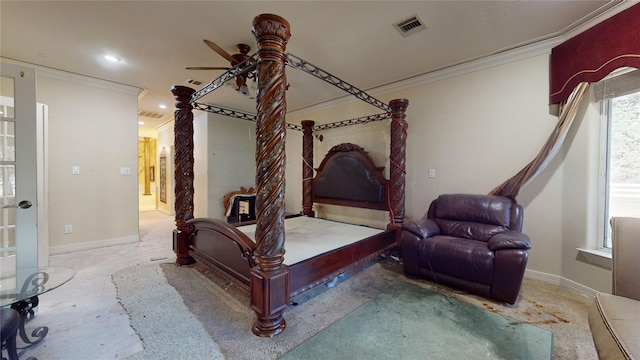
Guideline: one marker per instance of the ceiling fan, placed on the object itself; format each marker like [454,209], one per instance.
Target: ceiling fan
[235,59]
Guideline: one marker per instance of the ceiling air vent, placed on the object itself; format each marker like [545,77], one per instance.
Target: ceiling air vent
[410,26]
[194,82]
[150,114]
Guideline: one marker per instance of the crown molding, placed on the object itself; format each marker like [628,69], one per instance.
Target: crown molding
[168,125]
[613,8]
[524,52]
[77,78]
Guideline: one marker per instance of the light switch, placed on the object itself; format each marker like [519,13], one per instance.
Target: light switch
[75,170]
[431,173]
[125,171]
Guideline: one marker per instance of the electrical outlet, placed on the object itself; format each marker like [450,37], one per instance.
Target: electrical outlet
[75,170]
[68,229]
[431,173]
[125,171]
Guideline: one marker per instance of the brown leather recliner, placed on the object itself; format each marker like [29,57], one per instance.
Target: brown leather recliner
[473,242]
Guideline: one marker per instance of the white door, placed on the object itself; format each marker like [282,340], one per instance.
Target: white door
[18,168]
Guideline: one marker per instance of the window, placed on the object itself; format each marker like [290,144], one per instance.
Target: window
[622,137]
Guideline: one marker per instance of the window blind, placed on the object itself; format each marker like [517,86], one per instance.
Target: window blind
[619,85]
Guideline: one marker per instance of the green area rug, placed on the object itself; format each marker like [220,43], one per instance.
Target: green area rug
[410,322]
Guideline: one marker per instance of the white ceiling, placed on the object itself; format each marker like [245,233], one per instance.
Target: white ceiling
[353,40]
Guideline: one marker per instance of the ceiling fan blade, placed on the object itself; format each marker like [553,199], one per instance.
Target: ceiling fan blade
[206,68]
[219,50]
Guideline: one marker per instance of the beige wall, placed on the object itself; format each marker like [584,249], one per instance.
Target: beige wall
[224,160]
[165,141]
[231,159]
[93,125]
[476,130]
[200,164]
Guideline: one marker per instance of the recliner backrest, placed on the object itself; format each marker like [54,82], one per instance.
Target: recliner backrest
[472,216]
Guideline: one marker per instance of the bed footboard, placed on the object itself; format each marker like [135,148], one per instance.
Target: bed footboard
[222,246]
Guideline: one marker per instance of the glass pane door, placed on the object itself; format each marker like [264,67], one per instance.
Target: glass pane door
[7,176]
[18,175]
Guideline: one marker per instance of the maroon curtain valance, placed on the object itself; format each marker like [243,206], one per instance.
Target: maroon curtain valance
[594,53]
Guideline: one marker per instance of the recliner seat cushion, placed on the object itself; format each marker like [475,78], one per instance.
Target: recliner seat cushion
[466,259]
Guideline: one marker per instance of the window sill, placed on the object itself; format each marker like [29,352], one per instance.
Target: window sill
[597,257]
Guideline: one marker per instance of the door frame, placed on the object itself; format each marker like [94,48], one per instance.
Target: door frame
[42,189]
[31,223]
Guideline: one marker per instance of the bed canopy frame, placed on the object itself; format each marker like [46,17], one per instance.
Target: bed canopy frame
[269,281]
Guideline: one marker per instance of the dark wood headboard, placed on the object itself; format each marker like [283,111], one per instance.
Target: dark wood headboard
[348,176]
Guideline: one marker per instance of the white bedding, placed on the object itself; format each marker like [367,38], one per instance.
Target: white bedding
[306,237]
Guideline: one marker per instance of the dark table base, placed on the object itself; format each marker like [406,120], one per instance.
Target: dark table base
[25,308]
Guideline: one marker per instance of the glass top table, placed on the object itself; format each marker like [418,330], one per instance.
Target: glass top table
[21,289]
[27,283]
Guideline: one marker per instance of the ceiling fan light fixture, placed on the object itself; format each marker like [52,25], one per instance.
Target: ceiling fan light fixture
[244,90]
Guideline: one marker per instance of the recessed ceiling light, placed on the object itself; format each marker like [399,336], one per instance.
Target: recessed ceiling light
[112,58]
[162,106]
[140,122]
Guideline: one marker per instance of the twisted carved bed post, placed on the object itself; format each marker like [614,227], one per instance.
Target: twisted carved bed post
[307,167]
[183,142]
[269,280]
[397,159]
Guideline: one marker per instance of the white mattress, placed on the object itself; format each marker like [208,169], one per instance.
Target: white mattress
[306,237]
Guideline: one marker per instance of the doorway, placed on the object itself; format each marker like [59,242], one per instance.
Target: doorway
[147,173]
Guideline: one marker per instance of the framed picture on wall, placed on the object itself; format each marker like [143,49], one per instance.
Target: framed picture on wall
[163,176]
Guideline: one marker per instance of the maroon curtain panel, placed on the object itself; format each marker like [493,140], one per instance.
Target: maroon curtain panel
[594,53]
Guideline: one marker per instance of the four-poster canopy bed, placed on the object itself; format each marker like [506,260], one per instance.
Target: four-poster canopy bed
[255,255]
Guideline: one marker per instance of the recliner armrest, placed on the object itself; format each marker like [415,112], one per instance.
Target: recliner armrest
[509,239]
[423,228]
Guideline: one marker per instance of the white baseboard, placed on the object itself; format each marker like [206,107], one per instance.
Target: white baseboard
[63,249]
[559,280]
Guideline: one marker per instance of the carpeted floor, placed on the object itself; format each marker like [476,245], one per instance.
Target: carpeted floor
[219,309]
[314,311]
[409,322]
[159,316]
